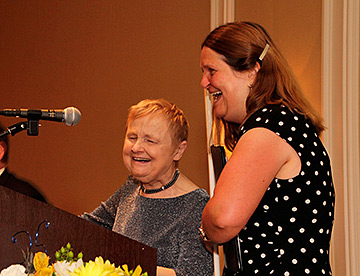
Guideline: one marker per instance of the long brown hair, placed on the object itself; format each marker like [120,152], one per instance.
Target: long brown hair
[241,44]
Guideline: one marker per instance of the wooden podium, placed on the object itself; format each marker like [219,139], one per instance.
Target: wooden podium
[22,213]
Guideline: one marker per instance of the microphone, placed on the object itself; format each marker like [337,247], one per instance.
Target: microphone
[70,115]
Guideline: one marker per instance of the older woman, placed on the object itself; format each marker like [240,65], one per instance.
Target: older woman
[158,205]
[276,190]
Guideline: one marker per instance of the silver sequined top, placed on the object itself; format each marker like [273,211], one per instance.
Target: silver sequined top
[168,224]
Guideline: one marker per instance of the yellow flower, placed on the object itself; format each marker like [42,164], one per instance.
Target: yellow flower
[41,260]
[107,266]
[125,271]
[137,271]
[46,271]
[97,268]
[101,268]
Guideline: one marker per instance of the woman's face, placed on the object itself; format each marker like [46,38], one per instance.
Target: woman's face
[149,152]
[228,88]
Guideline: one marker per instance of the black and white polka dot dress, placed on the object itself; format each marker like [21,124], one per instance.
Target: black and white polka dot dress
[289,233]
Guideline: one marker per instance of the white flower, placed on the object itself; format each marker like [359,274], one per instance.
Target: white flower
[65,268]
[13,270]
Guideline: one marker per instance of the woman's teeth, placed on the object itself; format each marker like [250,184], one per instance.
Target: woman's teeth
[216,95]
[141,159]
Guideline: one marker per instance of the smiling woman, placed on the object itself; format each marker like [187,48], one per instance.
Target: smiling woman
[158,205]
[278,163]
[150,150]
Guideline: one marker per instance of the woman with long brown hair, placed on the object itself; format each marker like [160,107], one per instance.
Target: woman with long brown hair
[276,190]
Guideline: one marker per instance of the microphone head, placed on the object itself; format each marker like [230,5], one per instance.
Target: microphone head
[72,116]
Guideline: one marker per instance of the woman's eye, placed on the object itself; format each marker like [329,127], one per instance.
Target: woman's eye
[212,71]
[132,138]
[150,141]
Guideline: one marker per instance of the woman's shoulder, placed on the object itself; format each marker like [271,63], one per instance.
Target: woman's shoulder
[270,110]
[197,191]
[199,194]
[127,188]
[274,117]
[192,193]
[188,187]
[193,202]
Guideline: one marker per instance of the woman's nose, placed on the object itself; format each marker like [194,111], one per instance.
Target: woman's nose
[137,146]
[204,81]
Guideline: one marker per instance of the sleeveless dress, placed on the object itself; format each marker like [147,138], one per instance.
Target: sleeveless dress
[289,232]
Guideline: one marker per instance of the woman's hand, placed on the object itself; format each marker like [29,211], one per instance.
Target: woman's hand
[164,271]
[209,245]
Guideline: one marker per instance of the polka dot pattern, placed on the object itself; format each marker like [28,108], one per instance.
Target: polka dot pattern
[290,231]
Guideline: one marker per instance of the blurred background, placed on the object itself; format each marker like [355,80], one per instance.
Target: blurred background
[104,56]
[101,57]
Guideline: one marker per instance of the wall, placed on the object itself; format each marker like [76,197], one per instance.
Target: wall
[297,31]
[102,57]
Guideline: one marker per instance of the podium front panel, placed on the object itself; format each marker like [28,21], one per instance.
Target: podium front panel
[22,213]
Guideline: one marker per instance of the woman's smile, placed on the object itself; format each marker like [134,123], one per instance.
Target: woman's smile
[216,96]
[141,160]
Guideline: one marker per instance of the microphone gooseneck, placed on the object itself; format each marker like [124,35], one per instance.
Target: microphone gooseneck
[70,115]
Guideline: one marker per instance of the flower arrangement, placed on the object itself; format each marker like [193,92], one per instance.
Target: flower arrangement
[67,265]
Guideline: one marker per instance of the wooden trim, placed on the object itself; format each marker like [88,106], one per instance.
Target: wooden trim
[229,11]
[351,135]
[221,11]
[340,94]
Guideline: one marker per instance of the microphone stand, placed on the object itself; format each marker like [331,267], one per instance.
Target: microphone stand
[32,127]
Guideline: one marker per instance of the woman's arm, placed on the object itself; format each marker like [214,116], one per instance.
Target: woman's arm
[163,271]
[104,214]
[258,158]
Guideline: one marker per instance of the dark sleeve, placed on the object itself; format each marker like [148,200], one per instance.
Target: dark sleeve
[105,214]
[194,259]
[12,182]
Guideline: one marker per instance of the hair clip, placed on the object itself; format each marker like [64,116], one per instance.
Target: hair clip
[263,54]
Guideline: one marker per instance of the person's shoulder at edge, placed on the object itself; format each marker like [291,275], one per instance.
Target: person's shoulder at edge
[22,186]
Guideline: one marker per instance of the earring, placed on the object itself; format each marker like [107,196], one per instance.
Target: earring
[250,85]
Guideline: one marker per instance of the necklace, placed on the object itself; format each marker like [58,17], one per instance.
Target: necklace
[162,188]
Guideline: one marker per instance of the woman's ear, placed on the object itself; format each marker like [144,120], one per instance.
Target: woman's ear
[2,150]
[253,72]
[179,151]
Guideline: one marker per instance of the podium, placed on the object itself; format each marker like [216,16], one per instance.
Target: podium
[22,213]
